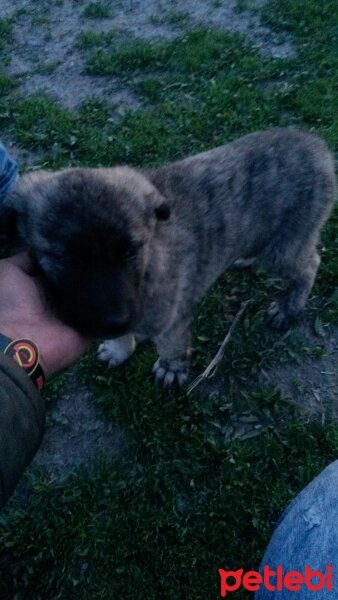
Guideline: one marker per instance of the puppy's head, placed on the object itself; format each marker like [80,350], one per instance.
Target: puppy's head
[90,230]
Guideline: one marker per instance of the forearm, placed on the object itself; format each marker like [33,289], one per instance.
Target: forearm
[22,423]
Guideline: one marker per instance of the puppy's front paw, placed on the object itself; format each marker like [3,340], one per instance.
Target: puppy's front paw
[115,352]
[279,316]
[169,373]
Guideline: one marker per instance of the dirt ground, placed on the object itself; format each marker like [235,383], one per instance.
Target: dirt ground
[45,56]
[56,27]
[313,384]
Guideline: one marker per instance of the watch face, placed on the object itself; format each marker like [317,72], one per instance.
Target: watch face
[25,353]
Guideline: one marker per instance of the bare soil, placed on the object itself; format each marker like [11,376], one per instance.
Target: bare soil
[313,384]
[46,34]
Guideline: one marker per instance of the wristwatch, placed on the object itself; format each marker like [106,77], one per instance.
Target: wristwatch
[26,354]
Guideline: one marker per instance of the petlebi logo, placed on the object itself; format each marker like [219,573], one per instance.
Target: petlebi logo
[276,579]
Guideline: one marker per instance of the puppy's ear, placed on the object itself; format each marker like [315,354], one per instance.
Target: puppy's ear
[163,211]
[158,205]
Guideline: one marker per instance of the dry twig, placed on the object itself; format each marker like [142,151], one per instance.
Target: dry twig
[212,367]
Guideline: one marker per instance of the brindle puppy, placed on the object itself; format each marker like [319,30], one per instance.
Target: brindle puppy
[127,254]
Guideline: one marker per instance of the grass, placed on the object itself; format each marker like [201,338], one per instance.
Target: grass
[91,39]
[172,17]
[48,68]
[5,32]
[96,10]
[118,528]
[6,84]
[202,52]
[193,491]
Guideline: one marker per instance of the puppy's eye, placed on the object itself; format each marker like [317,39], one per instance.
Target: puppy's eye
[129,254]
[132,251]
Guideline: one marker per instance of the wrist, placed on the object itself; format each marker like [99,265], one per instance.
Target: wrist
[25,353]
[19,331]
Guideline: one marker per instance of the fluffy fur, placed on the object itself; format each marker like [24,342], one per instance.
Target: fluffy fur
[127,254]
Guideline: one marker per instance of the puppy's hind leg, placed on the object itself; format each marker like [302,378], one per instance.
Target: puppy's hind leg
[282,313]
[116,351]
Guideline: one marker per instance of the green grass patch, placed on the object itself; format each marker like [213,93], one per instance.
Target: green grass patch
[95,111]
[96,10]
[167,516]
[39,121]
[89,39]
[202,51]
[177,17]
[7,84]
[48,68]
[5,32]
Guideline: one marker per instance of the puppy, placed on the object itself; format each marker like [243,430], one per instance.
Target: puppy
[126,254]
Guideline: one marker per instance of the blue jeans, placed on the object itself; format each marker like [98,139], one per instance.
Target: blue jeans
[307,534]
[8,172]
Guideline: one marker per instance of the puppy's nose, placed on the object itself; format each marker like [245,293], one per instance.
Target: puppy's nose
[117,324]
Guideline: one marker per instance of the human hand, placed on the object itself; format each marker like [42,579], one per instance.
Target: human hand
[24,313]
